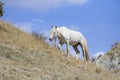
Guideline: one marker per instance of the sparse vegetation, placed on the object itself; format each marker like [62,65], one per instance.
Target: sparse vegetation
[22,57]
[38,36]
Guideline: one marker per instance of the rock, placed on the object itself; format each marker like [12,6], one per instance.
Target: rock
[109,62]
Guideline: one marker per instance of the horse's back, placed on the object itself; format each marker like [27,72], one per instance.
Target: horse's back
[74,35]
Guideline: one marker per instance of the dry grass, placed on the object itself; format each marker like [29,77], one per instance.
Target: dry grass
[24,58]
[14,36]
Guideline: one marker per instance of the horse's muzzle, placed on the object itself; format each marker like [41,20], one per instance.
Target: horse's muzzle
[50,39]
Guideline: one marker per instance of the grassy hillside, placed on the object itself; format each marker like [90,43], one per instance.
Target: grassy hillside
[22,57]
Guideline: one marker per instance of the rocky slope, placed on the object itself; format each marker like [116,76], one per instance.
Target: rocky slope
[111,60]
[22,57]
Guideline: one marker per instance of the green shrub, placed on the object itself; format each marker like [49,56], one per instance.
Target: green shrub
[1,9]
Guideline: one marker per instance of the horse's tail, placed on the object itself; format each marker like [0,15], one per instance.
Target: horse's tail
[86,51]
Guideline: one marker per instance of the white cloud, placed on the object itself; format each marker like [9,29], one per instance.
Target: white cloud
[98,53]
[43,4]
[31,25]
[25,26]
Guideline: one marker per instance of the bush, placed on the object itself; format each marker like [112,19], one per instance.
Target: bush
[1,9]
[38,36]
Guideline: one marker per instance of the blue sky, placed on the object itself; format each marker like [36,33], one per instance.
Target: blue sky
[97,20]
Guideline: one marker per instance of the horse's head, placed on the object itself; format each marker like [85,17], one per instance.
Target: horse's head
[53,33]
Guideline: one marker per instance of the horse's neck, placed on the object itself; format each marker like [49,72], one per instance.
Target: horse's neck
[60,32]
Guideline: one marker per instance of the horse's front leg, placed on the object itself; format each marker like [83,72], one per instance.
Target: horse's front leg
[67,47]
[59,46]
[55,43]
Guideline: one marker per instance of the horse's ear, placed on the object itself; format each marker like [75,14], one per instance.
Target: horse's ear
[51,26]
[55,27]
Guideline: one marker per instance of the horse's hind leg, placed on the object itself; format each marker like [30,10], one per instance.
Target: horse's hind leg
[77,51]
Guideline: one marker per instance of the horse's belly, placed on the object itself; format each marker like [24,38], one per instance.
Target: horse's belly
[73,43]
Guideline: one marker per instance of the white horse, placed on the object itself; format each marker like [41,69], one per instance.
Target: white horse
[70,37]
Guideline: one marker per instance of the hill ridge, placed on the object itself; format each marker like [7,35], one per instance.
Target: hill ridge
[22,57]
